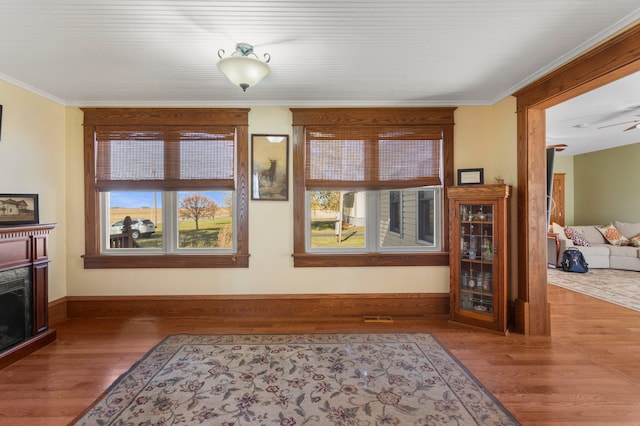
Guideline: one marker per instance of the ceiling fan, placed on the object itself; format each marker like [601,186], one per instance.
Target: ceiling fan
[635,126]
[558,147]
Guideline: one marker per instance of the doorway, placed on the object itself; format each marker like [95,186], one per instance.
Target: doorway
[613,59]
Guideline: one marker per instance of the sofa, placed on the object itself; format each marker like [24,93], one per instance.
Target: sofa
[598,250]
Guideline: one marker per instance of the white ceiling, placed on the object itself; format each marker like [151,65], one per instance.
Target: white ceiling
[598,119]
[324,52]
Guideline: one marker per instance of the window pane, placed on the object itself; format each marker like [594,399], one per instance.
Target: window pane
[426,216]
[205,220]
[145,211]
[407,219]
[395,211]
[337,219]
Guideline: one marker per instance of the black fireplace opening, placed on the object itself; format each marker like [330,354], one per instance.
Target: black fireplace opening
[15,307]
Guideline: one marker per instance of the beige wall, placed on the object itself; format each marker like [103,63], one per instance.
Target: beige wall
[32,161]
[485,137]
[606,186]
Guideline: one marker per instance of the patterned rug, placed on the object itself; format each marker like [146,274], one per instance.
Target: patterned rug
[612,285]
[287,380]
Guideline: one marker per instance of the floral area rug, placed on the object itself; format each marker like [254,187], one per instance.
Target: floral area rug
[611,285]
[287,380]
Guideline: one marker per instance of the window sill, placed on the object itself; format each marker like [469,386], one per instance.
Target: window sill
[370,259]
[165,261]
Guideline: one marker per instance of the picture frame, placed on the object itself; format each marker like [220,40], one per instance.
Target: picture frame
[269,167]
[0,122]
[18,209]
[471,176]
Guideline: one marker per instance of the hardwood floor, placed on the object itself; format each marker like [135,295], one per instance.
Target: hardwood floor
[586,373]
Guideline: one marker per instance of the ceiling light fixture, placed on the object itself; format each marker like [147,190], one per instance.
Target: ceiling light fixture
[241,68]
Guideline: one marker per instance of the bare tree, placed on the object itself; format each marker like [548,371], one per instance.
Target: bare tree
[196,207]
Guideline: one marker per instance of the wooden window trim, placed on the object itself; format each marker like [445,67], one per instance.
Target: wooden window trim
[303,117]
[237,117]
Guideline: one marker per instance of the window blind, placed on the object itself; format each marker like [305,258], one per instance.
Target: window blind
[165,157]
[370,157]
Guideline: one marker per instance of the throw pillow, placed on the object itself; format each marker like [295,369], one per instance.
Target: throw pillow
[627,229]
[635,241]
[577,237]
[611,234]
[559,230]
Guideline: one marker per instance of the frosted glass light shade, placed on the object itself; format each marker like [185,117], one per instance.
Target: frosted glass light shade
[244,71]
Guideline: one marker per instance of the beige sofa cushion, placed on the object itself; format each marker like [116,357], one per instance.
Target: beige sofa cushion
[597,250]
[624,251]
[591,233]
[629,230]
[596,256]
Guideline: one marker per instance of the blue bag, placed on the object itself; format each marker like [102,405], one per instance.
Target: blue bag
[573,261]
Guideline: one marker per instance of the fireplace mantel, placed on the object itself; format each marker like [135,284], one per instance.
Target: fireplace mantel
[26,246]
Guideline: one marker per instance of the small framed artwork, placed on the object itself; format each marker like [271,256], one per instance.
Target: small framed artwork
[270,167]
[18,209]
[470,176]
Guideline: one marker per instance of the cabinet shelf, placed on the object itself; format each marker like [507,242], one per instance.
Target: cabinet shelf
[478,261]
[478,292]
[484,304]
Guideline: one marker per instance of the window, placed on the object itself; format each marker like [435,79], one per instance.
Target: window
[395,212]
[369,190]
[409,234]
[426,216]
[169,221]
[179,174]
[338,221]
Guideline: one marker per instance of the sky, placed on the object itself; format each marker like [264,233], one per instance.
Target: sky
[131,199]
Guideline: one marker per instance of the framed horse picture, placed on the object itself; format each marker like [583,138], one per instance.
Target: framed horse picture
[270,167]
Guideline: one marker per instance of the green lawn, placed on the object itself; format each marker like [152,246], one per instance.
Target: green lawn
[205,237]
[323,235]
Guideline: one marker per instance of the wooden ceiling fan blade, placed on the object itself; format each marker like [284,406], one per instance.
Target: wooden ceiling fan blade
[559,147]
[635,126]
[617,124]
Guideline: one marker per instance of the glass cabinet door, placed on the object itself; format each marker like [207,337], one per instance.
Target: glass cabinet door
[476,258]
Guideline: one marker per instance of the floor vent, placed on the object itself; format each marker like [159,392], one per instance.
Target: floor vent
[378,318]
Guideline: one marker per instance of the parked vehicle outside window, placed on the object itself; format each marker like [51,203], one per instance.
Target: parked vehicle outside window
[139,227]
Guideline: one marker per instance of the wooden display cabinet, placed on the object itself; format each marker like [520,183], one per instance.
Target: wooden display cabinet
[479,255]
